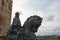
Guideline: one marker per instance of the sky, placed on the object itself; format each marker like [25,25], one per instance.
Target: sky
[49,10]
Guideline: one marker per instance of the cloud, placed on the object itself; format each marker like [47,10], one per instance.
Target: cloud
[55,6]
[49,17]
[49,10]
[42,33]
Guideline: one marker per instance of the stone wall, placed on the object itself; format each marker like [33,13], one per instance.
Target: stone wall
[5,15]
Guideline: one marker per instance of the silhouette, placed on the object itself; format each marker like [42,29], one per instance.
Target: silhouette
[31,26]
[14,29]
[25,32]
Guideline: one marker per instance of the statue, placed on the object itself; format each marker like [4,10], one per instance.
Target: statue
[25,32]
[14,29]
[31,26]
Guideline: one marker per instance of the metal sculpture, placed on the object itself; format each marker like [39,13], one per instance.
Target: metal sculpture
[25,32]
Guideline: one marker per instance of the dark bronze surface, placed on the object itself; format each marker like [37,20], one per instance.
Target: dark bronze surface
[25,32]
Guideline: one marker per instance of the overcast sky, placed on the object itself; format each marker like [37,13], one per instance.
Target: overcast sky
[49,10]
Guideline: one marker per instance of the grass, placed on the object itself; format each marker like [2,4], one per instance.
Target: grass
[43,37]
[1,38]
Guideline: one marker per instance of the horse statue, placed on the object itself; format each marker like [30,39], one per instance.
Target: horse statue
[14,29]
[30,27]
[25,32]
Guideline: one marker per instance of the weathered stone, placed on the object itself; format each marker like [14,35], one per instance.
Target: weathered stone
[5,15]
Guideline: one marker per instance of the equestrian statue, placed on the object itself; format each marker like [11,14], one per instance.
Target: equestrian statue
[25,32]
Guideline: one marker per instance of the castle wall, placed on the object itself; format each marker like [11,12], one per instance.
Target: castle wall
[5,15]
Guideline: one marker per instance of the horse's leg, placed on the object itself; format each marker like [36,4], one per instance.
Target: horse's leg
[33,37]
[7,38]
[30,37]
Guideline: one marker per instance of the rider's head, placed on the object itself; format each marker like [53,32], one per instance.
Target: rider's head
[17,14]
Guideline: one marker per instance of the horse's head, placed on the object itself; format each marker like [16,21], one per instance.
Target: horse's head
[35,22]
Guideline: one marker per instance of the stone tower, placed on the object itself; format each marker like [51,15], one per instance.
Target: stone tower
[5,15]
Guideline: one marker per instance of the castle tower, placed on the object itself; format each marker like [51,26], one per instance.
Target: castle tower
[5,15]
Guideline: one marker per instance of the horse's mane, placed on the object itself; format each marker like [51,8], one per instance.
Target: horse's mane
[34,16]
[31,19]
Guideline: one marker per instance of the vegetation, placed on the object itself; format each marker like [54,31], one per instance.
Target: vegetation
[44,38]
[1,38]
[49,37]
